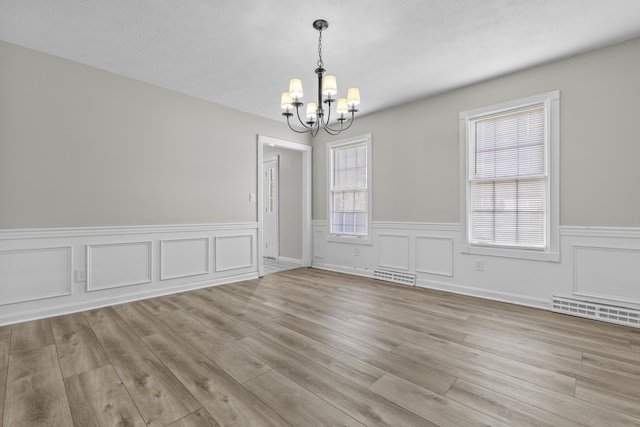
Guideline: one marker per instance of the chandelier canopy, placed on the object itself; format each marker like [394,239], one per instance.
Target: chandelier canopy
[316,115]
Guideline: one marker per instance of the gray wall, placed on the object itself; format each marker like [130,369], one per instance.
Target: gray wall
[416,147]
[84,147]
[290,197]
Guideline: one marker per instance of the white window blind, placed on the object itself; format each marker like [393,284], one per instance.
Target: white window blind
[349,194]
[508,179]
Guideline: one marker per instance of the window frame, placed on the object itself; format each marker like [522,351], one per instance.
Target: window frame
[551,103]
[343,143]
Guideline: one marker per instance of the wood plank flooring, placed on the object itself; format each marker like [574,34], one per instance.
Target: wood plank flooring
[314,348]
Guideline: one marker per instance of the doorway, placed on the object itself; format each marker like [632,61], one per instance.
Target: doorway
[284,204]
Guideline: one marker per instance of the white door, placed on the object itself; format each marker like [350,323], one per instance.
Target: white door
[271,232]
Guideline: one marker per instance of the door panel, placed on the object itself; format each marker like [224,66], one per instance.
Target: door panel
[271,205]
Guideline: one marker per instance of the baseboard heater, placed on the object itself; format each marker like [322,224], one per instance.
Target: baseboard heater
[593,310]
[395,277]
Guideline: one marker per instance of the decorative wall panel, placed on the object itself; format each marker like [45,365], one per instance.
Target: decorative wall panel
[234,252]
[32,274]
[184,257]
[118,264]
[434,255]
[393,251]
[607,272]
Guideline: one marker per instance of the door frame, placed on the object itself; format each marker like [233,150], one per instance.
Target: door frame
[306,196]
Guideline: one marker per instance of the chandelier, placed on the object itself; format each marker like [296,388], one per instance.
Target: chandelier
[316,115]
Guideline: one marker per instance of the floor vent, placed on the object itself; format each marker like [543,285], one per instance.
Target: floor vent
[392,276]
[609,313]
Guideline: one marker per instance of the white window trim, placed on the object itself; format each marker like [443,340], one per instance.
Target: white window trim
[349,238]
[551,101]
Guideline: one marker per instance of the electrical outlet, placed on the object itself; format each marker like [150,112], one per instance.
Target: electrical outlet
[252,197]
[356,251]
[479,265]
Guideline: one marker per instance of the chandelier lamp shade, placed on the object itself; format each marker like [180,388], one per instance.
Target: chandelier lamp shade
[317,115]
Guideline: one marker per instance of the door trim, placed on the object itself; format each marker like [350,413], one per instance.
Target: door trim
[306,196]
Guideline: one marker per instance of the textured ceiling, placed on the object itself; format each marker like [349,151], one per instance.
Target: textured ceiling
[241,53]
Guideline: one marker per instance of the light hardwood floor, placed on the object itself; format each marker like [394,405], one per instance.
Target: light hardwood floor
[314,348]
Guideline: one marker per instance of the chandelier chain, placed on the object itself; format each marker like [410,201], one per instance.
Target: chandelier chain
[320,63]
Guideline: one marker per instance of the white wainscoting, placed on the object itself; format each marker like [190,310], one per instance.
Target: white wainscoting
[393,251]
[234,252]
[113,265]
[607,273]
[47,272]
[184,257]
[318,245]
[599,264]
[434,255]
[32,274]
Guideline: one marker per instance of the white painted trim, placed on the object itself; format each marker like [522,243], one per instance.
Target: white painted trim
[530,254]
[613,232]
[485,293]
[307,161]
[276,142]
[163,276]
[69,281]
[565,230]
[291,260]
[61,309]
[149,243]
[342,269]
[431,226]
[40,233]
[610,299]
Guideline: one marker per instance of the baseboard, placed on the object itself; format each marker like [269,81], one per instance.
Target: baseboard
[341,269]
[485,294]
[62,309]
[448,287]
[291,260]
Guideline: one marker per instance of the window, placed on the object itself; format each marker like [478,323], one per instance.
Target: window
[510,178]
[349,183]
